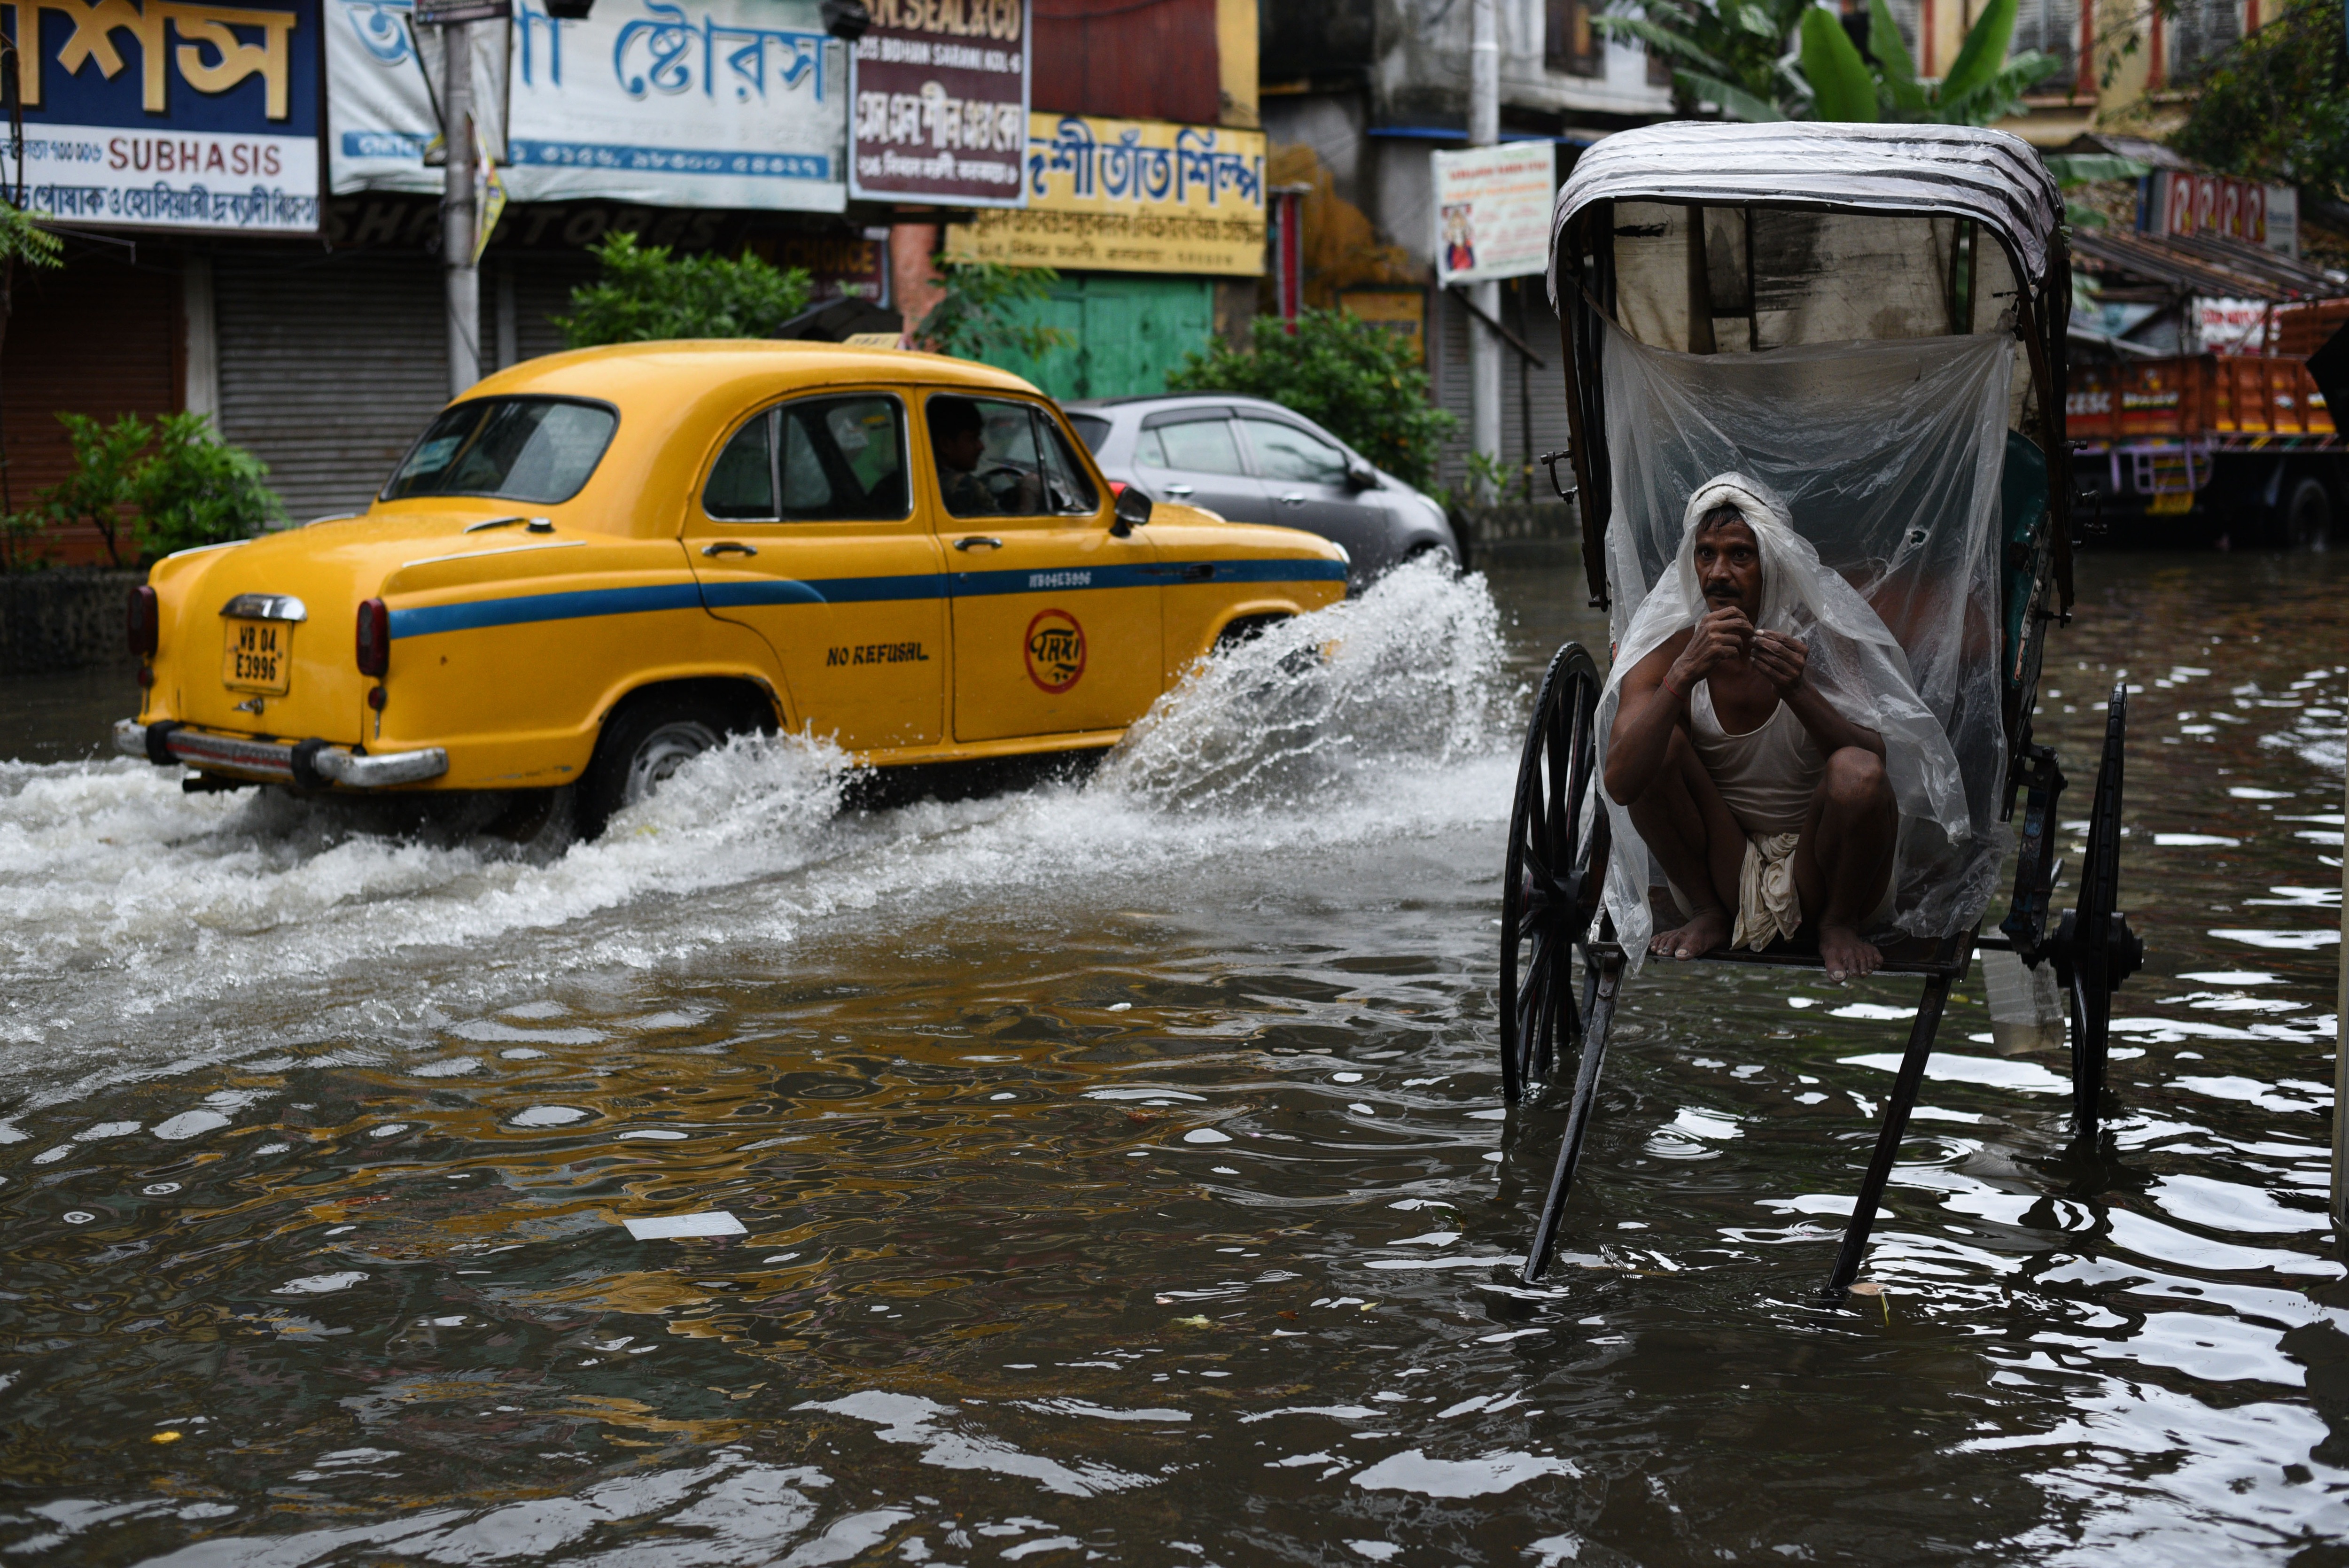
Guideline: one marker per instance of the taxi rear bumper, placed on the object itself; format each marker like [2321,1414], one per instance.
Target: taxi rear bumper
[309,764]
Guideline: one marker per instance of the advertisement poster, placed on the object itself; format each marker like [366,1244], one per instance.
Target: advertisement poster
[1130,195]
[1492,210]
[2232,325]
[160,114]
[941,103]
[714,103]
[2215,204]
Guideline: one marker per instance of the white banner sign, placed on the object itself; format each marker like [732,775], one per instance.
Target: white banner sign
[1492,210]
[2231,325]
[711,103]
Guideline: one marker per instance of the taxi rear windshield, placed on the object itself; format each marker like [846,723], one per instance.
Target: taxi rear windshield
[512,448]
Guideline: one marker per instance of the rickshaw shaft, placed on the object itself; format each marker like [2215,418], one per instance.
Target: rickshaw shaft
[1887,1139]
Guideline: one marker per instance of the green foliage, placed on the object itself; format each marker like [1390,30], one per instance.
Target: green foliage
[1355,379]
[197,489]
[22,239]
[2074,170]
[1490,477]
[2275,106]
[1732,54]
[646,294]
[1841,87]
[1736,55]
[97,490]
[980,314]
[191,489]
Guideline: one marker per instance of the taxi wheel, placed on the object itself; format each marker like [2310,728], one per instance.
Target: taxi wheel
[642,745]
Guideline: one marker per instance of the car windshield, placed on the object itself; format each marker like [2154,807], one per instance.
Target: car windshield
[515,449]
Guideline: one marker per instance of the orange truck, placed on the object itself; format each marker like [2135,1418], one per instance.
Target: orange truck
[2207,447]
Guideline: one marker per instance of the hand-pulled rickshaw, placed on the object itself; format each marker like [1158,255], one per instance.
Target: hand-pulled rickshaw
[1871,319]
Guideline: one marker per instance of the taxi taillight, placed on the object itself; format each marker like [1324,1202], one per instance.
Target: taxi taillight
[374,638]
[144,622]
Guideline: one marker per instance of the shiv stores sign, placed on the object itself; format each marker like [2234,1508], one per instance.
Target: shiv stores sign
[711,103]
[159,114]
[1128,195]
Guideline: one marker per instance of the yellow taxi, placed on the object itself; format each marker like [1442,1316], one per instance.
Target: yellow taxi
[597,564]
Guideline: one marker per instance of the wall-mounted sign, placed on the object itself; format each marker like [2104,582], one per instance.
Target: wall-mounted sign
[2232,326]
[2217,204]
[1402,312]
[1126,195]
[161,114]
[1492,210]
[717,103]
[941,110]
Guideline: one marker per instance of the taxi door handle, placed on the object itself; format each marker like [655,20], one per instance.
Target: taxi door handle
[727,547]
[976,539]
[1294,498]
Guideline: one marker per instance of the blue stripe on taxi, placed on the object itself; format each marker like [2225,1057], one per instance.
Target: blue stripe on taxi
[578,603]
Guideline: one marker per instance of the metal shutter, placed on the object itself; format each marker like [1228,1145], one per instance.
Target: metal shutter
[1543,386]
[542,282]
[1449,371]
[329,366]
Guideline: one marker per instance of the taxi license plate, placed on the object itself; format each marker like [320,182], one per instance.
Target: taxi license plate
[259,657]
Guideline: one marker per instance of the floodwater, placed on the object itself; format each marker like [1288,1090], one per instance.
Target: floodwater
[1118,1168]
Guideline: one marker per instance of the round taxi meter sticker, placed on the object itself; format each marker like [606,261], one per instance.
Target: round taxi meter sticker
[1056,650]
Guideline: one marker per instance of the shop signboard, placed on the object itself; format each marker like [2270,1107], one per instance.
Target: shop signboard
[941,103]
[163,114]
[2232,326]
[2190,203]
[1492,210]
[737,104]
[1130,195]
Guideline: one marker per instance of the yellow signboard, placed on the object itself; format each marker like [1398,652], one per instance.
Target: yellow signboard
[1402,312]
[1129,195]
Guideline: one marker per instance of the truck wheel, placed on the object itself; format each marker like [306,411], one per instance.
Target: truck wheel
[644,742]
[2308,516]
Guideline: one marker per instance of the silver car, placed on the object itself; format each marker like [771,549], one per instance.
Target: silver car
[1255,461]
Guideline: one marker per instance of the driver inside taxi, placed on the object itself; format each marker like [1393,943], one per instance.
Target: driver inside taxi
[958,437]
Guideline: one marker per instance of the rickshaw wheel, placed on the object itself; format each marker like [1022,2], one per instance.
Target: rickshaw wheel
[1553,880]
[2094,948]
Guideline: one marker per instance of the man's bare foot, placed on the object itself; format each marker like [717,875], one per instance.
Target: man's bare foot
[1700,935]
[1846,955]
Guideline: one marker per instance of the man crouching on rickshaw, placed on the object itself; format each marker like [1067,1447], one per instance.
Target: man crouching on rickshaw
[1733,748]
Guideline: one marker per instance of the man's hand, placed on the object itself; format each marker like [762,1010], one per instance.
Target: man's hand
[1722,636]
[1782,660]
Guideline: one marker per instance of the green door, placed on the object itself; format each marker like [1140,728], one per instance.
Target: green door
[1127,330]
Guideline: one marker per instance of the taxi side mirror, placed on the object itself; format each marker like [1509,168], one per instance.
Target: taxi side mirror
[1133,510]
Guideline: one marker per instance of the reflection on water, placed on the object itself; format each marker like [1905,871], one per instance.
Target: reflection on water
[1113,1170]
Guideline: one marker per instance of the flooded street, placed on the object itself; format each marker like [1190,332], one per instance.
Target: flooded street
[1115,1168]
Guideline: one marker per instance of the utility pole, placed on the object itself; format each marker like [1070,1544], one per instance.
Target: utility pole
[1483,130]
[457,218]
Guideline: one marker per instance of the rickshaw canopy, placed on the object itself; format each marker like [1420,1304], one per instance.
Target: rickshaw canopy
[1729,242]
[1944,171]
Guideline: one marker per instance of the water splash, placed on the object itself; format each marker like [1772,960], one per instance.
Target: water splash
[201,925]
[1410,670]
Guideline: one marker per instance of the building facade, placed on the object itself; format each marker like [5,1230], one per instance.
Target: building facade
[1359,94]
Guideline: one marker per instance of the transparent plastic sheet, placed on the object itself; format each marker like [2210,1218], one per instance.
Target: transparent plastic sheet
[1886,456]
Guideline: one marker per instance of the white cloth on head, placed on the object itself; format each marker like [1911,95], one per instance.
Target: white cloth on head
[1852,660]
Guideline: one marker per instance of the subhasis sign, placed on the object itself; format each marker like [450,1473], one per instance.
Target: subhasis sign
[161,114]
